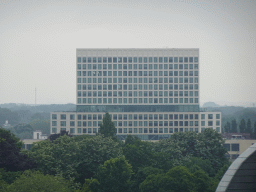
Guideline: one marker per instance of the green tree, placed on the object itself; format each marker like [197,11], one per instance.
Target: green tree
[205,145]
[9,176]
[10,157]
[210,147]
[74,158]
[227,128]
[6,114]
[142,174]
[242,126]
[31,181]
[115,175]
[254,131]
[3,184]
[40,124]
[130,139]
[175,180]
[249,126]
[202,181]
[90,185]
[221,172]
[107,127]
[22,131]
[138,153]
[233,126]
[204,164]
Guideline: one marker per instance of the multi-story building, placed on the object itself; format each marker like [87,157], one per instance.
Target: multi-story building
[150,93]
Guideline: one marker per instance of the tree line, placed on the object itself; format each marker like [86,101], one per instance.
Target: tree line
[186,162]
[243,127]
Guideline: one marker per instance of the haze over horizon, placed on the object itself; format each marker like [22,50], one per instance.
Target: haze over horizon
[39,41]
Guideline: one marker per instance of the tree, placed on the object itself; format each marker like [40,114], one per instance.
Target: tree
[210,147]
[249,126]
[115,175]
[206,145]
[142,174]
[90,185]
[130,139]
[138,153]
[175,180]
[6,114]
[107,127]
[74,158]
[54,136]
[10,157]
[254,131]
[233,126]
[9,176]
[222,171]
[202,181]
[3,184]
[242,126]
[31,181]
[227,128]
[40,124]
[203,164]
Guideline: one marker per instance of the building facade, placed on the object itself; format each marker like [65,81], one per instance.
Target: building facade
[150,93]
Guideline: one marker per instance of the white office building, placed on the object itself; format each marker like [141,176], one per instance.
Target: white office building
[150,93]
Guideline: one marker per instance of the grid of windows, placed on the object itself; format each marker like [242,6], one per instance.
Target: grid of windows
[164,123]
[165,88]
[137,80]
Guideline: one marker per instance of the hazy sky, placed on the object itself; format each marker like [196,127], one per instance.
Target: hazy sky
[38,41]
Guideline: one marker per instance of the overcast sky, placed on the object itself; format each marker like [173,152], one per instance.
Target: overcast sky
[38,41]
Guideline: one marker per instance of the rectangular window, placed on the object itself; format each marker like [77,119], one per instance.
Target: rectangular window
[63,123]
[54,123]
[235,147]
[54,130]
[210,116]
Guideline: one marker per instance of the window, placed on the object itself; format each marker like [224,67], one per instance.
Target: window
[235,147]
[72,123]
[62,116]
[210,116]
[217,116]
[72,130]
[54,130]
[54,116]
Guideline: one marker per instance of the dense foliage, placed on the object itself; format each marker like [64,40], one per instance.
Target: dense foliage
[31,181]
[186,161]
[11,159]
[107,127]
[74,158]
[243,127]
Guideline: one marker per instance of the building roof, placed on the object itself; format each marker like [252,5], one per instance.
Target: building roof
[240,176]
